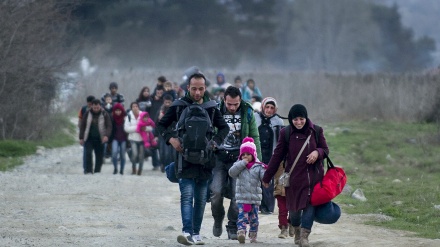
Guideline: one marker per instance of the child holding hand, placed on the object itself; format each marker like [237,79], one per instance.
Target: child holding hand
[249,171]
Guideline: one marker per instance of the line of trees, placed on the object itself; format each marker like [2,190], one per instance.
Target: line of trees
[33,50]
[338,35]
[40,38]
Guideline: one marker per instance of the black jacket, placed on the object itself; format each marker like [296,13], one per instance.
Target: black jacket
[192,170]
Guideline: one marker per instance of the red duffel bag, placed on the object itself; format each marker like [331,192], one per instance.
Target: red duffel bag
[331,185]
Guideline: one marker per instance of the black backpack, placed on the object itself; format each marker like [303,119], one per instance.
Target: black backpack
[195,130]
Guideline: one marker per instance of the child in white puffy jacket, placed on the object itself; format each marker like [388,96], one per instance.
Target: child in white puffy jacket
[249,171]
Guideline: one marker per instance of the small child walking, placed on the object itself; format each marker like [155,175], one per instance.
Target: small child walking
[249,171]
[147,132]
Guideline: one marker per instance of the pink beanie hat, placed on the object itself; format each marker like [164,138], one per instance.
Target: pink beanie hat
[248,146]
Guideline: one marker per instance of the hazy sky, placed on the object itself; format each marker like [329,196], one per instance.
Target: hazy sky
[422,16]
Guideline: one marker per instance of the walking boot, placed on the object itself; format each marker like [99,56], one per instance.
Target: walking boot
[134,171]
[291,230]
[232,232]
[253,237]
[297,233]
[241,236]
[115,171]
[283,233]
[217,228]
[139,172]
[304,240]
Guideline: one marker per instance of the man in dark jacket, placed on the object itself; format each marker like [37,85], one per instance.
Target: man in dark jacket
[193,178]
[239,115]
[95,129]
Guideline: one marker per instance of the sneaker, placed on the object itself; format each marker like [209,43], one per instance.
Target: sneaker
[198,240]
[185,239]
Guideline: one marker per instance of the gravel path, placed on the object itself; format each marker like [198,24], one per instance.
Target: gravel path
[49,202]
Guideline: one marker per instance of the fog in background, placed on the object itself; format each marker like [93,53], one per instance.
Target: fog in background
[343,59]
[334,36]
[334,56]
[420,15]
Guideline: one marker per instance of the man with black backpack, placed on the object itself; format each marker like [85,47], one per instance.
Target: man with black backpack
[239,115]
[193,139]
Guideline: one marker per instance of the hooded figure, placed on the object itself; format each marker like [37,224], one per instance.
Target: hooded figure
[147,134]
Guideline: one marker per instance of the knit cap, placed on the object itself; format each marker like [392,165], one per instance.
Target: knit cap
[248,146]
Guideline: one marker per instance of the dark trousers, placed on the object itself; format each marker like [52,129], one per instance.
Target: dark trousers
[268,201]
[222,185]
[98,148]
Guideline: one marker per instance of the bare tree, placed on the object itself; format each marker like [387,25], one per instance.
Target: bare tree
[32,51]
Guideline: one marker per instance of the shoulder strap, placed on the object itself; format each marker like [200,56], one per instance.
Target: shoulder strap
[180,102]
[287,134]
[299,154]
[83,110]
[209,104]
[317,130]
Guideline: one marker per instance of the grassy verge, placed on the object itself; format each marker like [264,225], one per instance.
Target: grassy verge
[396,166]
[13,151]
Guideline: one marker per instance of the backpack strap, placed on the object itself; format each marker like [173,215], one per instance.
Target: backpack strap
[287,135]
[179,103]
[210,104]
[317,129]
[83,110]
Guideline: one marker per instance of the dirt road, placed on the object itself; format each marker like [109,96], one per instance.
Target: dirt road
[49,202]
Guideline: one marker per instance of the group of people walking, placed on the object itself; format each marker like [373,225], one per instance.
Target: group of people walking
[249,149]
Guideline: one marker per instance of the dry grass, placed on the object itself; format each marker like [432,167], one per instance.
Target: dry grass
[328,97]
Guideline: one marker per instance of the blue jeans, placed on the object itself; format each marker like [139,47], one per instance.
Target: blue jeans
[303,218]
[192,203]
[118,148]
[137,154]
[222,185]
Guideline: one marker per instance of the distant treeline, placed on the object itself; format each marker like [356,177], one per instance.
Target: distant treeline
[320,35]
[329,97]
[41,40]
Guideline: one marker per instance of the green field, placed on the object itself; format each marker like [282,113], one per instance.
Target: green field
[396,166]
[13,151]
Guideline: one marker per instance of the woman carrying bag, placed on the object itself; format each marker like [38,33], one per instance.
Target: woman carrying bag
[305,154]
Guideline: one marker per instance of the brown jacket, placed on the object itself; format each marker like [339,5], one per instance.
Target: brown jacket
[104,125]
